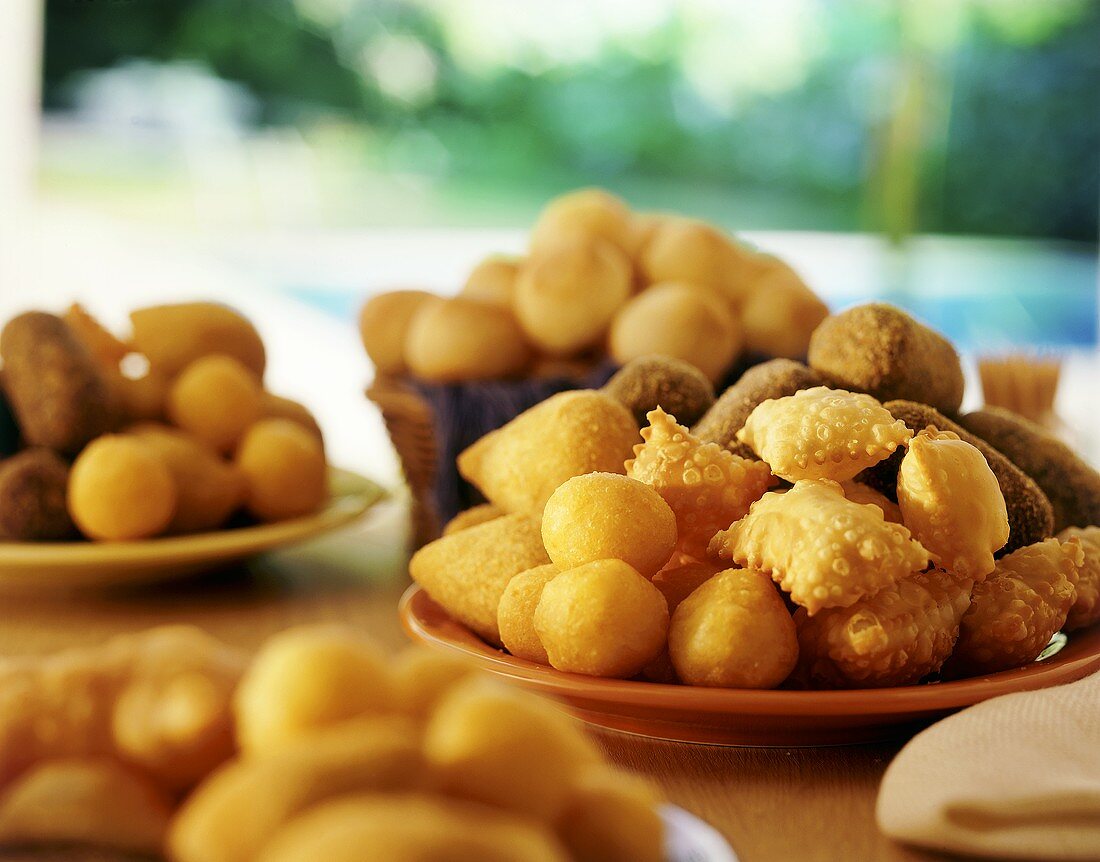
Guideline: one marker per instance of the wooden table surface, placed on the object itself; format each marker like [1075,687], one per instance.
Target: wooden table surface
[772,804]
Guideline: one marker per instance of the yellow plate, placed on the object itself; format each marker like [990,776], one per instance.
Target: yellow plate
[51,566]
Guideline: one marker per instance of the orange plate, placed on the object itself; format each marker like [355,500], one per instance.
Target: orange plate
[718,716]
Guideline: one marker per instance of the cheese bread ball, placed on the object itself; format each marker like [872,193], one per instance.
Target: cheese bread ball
[516,613]
[607,516]
[601,619]
[584,214]
[467,572]
[493,280]
[734,631]
[216,398]
[174,336]
[285,468]
[566,296]
[208,489]
[119,488]
[780,313]
[308,678]
[517,467]
[678,320]
[693,252]
[464,339]
[612,817]
[384,322]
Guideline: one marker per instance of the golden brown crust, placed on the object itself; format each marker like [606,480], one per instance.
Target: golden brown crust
[676,386]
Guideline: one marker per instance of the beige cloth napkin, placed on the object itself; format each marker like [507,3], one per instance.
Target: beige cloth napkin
[1015,777]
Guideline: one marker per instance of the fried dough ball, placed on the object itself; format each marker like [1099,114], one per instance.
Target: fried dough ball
[120,488]
[307,678]
[565,297]
[472,517]
[601,619]
[174,336]
[774,379]
[1017,609]
[692,252]
[56,391]
[519,466]
[879,349]
[208,489]
[410,828]
[467,572]
[857,492]
[897,636]
[32,497]
[384,322]
[677,582]
[584,214]
[951,501]
[649,382]
[1086,609]
[823,433]
[464,339]
[734,631]
[277,407]
[678,320]
[504,747]
[516,613]
[611,817]
[493,280]
[216,398]
[423,677]
[708,488]
[607,516]
[1071,484]
[780,313]
[1030,516]
[824,550]
[285,470]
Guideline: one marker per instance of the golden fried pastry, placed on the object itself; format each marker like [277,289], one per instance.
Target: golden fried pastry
[53,385]
[692,252]
[472,517]
[32,497]
[174,336]
[1030,517]
[824,550]
[1015,611]
[734,631]
[1071,484]
[234,814]
[584,214]
[308,678]
[422,678]
[678,320]
[493,280]
[384,322]
[519,466]
[879,349]
[410,827]
[104,347]
[464,339]
[823,433]
[208,489]
[285,470]
[566,296]
[951,501]
[502,747]
[607,516]
[601,619]
[774,379]
[677,582]
[467,572]
[857,492]
[1086,608]
[85,801]
[120,488]
[708,488]
[897,636]
[649,382]
[516,613]
[780,313]
[611,817]
[217,399]
[277,407]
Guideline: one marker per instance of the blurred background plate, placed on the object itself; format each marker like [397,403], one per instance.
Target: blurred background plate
[50,566]
[716,716]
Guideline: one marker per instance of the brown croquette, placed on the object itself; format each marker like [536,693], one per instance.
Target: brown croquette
[676,386]
[32,497]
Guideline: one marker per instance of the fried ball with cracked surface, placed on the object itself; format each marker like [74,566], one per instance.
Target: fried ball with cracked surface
[676,386]
[384,322]
[516,613]
[285,470]
[216,398]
